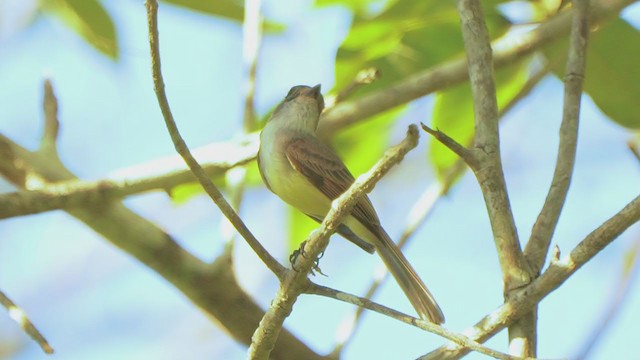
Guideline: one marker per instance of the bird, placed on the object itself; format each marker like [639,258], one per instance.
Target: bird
[307,174]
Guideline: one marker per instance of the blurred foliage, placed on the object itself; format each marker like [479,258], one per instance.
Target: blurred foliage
[403,39]
[230,9]
[182,193]
[90,20]
[612,76]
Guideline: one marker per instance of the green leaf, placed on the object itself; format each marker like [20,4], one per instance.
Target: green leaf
[230,9]
[300,226]
[453,115]
[404,38]
[362,145]
[612,77]
[90,20]
[357,6]
[181,194]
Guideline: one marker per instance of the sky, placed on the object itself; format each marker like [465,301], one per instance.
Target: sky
[92,301]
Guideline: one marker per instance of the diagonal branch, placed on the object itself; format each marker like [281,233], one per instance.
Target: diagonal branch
[183,150]
[452,145]
[455,72]
[160,174]
[362,302]
[544,227]
[296,282]
[211,287]
[16,313]
[422,209]
[557,273]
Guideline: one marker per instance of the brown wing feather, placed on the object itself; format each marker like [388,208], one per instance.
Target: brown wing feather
[323,168]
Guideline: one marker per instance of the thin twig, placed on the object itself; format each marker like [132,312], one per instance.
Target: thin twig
[296,282]
[544,227]
[363,77]
[18,315]
[452,145]
[362,302]
[557,273]
[633,147]
[183,150]
[51,123]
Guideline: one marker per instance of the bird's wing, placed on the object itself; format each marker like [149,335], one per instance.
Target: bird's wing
[324,169]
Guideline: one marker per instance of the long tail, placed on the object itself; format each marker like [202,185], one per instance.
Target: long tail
[408,279]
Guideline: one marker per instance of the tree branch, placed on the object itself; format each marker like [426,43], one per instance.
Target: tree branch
[455,72]
[16,313]
[422,209]
[296,282]
[362,302]
[488,167]
[544,227]
[557,273]
[452,145]
[538,245]
[183,150]
[486,151]
[159,174]
[211,287]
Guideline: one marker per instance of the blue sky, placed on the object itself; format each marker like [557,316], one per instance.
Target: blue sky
[93,301]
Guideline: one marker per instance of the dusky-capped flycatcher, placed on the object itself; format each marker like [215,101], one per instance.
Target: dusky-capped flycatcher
[307,174]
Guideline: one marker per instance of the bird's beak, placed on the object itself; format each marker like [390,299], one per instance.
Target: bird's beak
[316,90]
[312,92]
[316,94]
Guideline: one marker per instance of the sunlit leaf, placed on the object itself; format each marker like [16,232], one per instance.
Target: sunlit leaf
[357,6]
[362,145]
[300,226]
[225,8]
[612,76]
[181,194]
[453,114]
[230,9]
[90,20]
[404,38]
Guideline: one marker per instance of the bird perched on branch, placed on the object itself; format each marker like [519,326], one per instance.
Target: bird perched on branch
[308,175]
